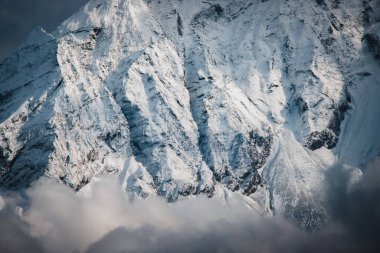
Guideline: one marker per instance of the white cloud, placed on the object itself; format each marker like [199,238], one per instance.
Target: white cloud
[106,220]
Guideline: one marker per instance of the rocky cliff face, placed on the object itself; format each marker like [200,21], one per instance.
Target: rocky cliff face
[188,97]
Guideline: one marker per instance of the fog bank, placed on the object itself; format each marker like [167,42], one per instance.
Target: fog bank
[56,219]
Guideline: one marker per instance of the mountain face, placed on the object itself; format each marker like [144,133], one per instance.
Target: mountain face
[191,97]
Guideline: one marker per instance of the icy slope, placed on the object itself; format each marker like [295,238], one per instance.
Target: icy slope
[188,97]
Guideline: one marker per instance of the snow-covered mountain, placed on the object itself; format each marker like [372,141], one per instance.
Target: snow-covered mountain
[183,97]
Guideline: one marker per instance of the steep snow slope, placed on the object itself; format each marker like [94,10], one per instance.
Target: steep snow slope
[188,97]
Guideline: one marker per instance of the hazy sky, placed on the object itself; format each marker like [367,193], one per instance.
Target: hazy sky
[19,17]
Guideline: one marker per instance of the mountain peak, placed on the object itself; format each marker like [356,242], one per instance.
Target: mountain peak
[183,98]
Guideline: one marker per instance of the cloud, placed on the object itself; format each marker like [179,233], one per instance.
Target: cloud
[355,208]
[56,219]
[15,236]
[18,18]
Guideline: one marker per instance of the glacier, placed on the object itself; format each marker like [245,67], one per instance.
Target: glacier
[181,98]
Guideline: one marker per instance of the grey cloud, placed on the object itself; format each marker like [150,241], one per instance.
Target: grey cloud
[222,236]
[106,220]
[354,226]
[356,209]
[15,235]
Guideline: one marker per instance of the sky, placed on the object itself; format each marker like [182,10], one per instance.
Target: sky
[19,17]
